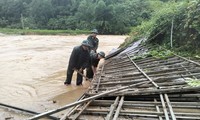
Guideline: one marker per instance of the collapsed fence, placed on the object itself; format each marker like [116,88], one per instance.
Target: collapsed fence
[146,89]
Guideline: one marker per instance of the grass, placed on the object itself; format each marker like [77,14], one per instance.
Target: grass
[42,32]
[156,52]
[193,82]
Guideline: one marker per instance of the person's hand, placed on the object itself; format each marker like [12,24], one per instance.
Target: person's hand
[80,70]
[95,70]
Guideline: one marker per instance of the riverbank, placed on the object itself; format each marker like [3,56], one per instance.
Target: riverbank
[42,32]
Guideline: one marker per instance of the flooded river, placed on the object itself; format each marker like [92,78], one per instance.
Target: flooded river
[33,69]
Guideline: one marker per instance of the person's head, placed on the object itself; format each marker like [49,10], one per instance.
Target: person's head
[94,32]
[101,55]
[85,44]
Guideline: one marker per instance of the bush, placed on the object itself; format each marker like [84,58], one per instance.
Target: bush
[186,31]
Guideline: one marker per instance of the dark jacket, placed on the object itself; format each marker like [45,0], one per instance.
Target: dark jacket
[94,61]
[94,42]
[79,58]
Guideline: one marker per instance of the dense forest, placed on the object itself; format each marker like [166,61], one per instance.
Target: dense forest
[108,16]
[171,23]
[174,25]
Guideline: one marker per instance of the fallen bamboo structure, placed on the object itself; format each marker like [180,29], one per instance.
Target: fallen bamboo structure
[148,89]
[82,101]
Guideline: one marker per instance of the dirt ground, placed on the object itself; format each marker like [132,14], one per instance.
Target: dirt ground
[33,69]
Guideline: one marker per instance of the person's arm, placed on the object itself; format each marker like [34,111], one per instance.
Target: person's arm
[94,69]
[96,44]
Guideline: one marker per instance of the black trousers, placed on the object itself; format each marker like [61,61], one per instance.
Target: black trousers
[79,78]
[89,72]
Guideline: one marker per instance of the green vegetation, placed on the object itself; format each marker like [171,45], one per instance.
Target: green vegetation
[108,16]
[161,53]
[156,52]
[138,57]
[193,82]
[185,17]
[43,32]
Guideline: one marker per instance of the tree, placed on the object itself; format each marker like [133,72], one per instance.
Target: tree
[11,11]
[102,16]
[41,12]
[85,14]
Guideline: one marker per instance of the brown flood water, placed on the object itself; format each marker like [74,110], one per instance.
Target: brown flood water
[33,69]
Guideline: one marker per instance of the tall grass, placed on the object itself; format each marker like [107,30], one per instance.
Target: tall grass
[42,32]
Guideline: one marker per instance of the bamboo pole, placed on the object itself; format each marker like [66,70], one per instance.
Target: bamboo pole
[99,80]
[147,103]
[125,79]
[144,73]
[170,107]
[121,61]
[150,73]
[164,107]
[160,64]
[145,114]
[81,111]
[188,118]
[82,75]
[176,66]
[158,110]
[120,70]
[172,83]
[157,91]
[82,101]
[196,63]
[118,66]
[112,109]
[134,77]
[162,71]
[155,116]
[145,60]
[65,116]
[188,71]
[152,91]
[27,111]
[114,82]
[154,73]
[105,111]
[157,78]
[174,77]
[149,60]
[188,114]
[118,108]
[129,112]
[159,61]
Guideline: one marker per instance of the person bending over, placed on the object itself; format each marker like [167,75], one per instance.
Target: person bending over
[94,61]
[79,60]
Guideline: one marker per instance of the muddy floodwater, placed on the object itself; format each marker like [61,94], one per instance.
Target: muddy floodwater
[33,69]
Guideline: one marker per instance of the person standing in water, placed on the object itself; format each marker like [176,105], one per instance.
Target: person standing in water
[79,60]
[93,40]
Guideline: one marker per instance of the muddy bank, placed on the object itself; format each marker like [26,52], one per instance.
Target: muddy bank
[33,69]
